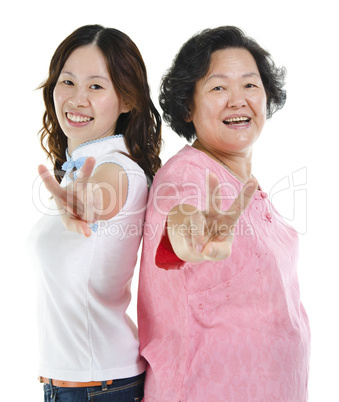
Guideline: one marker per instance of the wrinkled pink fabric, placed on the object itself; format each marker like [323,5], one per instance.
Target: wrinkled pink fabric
[233,330]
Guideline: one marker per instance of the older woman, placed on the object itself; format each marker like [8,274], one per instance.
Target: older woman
[220,316]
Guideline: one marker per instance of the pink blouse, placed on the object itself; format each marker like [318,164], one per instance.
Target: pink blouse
[233,330]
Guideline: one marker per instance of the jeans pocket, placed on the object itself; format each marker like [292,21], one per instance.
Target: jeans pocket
[133,391]
[50,393]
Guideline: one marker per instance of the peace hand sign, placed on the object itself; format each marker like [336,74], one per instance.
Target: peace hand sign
[210,233]
[79,202]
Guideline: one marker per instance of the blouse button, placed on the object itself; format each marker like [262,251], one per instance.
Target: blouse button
[269,216]
[201,306]
[264,195]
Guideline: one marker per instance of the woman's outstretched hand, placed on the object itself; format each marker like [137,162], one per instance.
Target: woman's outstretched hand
[80,202]
[207,235]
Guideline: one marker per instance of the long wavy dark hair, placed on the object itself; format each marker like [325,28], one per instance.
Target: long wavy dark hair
[192,63]
[141,126]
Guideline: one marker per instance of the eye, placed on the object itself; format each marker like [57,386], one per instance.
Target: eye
[96,86]
[67,82]
[250,86]
[218,88]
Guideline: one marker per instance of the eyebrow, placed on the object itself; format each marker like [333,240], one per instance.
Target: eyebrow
[246,75]
[91,77]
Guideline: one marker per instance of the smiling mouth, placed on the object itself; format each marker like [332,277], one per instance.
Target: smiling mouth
[78,119]
[238,121]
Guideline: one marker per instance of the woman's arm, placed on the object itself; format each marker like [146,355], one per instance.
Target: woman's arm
[197,235]
[88,198]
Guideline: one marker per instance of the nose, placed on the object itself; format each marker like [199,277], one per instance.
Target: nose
[78,98]
[236,98]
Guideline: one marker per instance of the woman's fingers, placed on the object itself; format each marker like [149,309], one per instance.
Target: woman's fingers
[92,203]
[51,184]
[74,224]
[213,198]
[218,250]
[216,245]
[98,202]
[81,200]
[86,170]
[242,201]
[202,224]
[197,229]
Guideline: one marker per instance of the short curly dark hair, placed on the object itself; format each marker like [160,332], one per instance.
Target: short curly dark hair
[192,63]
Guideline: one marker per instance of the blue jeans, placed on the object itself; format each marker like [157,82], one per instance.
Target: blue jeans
[124,390]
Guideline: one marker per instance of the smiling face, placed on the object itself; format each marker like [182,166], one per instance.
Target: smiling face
[86,103]
[228,109]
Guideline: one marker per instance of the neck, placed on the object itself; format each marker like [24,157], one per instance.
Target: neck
[239,165]
[71,145]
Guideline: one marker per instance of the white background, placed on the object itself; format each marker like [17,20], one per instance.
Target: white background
[302,138]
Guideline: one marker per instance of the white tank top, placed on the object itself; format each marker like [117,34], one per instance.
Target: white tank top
[84,283]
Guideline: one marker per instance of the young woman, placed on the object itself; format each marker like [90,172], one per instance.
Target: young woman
[102,133]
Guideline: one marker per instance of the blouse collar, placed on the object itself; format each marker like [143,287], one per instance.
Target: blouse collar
[89,148]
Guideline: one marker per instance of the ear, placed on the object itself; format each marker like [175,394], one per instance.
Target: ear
[126,107]
[188,117]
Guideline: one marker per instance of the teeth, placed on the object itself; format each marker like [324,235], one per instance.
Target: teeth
[78,119]
[235,119]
